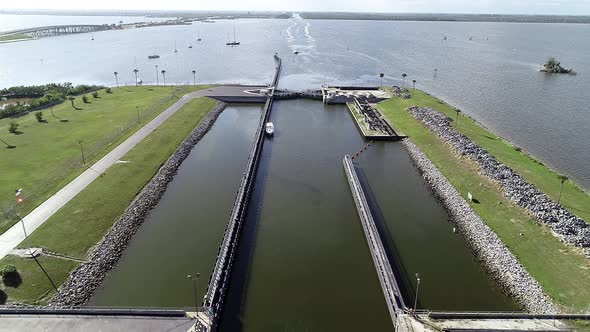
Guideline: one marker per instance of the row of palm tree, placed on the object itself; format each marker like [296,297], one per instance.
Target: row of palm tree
[136,72]
[381,75]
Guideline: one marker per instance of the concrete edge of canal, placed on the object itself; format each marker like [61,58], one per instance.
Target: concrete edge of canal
[87,278]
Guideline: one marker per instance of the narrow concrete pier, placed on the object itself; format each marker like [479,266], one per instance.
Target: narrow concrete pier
[391,291]
[220,277]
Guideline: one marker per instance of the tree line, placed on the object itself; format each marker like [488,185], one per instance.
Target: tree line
[43,96]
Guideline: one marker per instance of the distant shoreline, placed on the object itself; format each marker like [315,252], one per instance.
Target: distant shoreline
[426,17]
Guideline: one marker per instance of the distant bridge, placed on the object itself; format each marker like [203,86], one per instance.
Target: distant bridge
[57,30]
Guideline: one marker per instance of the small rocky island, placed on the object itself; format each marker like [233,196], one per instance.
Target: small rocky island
[554,66]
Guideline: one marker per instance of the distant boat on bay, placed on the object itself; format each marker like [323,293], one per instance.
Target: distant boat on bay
[235,42]
[155,56]
[199,36]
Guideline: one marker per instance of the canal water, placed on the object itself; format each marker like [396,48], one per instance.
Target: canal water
[182,234]
[303,262]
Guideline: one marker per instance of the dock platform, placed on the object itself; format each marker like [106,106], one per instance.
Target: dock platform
[371,123]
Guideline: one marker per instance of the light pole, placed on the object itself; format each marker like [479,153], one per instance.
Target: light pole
[137,110]
[82,151]
[19,201]
[417,290]
[157,76]
[195,279]
[562,179]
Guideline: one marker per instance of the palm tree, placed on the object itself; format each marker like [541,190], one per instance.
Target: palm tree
[552,64]
[457,119]
[117,78]
[414,85]
[71,99]
[194,77]
[381,76]
[135,71]
[164,75]
[403,79]
[561,178]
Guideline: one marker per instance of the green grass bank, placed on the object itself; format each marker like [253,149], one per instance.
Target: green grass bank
[47,155]
[17,36]
[81,223]
[561,269]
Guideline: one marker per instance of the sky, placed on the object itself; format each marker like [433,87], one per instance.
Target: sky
[551,7]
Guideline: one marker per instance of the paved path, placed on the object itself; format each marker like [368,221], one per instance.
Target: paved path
[14,236]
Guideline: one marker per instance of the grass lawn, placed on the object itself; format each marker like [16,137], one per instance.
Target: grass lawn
[562,271]
[82,222]
[14,37]
[47,155]
[573,198]
[36,287]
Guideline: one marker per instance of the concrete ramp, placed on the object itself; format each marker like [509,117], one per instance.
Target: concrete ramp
[37,320]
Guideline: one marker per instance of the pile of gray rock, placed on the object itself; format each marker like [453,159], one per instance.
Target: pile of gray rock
[400,92]
[490,250]
[83,281]
[564,224]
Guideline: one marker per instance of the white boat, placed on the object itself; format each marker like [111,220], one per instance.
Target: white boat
[270,128]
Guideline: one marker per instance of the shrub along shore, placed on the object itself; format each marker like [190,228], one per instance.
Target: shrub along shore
[560,268]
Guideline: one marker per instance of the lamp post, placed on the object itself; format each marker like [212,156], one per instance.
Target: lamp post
[195,278]
[82,151]
[137,110]
[157,76]
[19,202]
[417,290]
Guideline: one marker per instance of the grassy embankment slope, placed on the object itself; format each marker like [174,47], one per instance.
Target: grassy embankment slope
[80,224]
[561,269]
[47,155]
[6,38]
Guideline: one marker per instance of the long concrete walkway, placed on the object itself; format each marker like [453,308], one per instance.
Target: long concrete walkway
[15,235]
[391,291]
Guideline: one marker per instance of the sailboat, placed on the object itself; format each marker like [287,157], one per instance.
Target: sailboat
[234,42]
[175,50]
[199,36]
